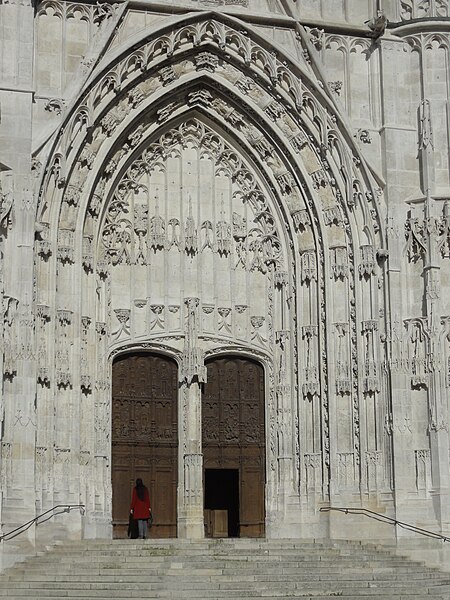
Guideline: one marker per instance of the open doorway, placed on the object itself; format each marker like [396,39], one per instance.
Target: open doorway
[233,444]
[222,494]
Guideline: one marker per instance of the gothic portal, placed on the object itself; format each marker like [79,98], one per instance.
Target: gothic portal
[225,235]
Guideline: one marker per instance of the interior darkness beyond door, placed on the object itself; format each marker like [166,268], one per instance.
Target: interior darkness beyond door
[145,439]
[222,493]
[233,441]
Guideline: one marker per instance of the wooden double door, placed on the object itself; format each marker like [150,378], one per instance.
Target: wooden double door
[145,441]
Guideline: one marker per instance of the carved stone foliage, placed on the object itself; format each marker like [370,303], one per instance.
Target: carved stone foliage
[208,32]
[123,318]
[426,233]
[43,244]
[363,135]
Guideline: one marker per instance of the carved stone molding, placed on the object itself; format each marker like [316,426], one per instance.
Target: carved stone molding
[425,233]
[308,266]
[367,265]
[339,262]
[123,316]
[66,246]
[423,9]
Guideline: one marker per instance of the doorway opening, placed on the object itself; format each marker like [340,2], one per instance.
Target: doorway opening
[222,502]
[233,443]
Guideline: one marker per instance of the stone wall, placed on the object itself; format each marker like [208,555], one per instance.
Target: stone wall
[268,179]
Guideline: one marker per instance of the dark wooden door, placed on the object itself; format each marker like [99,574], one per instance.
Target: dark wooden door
[145,439]
[233,433]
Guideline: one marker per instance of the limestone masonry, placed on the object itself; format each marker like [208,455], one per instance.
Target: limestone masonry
[264,179]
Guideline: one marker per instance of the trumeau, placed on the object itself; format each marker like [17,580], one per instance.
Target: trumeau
[249,178]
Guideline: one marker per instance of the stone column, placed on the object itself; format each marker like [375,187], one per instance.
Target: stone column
[397,138]
[190,469]
[437,397]
[17,210]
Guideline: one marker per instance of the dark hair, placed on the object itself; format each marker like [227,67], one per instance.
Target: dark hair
[140,489]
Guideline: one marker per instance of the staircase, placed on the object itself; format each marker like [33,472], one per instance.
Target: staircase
[225,568]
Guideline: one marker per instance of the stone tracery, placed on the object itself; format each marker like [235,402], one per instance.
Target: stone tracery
[292,194]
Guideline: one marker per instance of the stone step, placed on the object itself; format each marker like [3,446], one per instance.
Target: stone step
[323,595]
[193,547]
[232,561]
[235,565]
[213,570]
[145,553]
[218,583]
[156,577]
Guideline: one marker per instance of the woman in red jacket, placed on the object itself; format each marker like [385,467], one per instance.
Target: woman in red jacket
[140,507]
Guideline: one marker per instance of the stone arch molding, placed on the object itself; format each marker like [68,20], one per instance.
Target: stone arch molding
[203,159]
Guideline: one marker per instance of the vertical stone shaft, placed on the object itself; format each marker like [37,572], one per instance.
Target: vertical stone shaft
[192,375]
[16,96]
[437,405]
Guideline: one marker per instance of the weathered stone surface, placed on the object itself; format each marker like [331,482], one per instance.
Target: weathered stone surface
[194,183]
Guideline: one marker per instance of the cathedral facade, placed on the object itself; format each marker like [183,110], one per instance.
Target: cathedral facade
[225,242]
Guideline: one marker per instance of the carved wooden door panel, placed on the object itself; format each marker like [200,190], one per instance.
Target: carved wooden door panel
[233,433]
[145,439]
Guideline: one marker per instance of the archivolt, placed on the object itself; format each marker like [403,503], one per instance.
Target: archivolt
[282,95]
[255,107]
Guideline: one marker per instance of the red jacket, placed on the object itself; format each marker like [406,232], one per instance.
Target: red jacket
[140,508]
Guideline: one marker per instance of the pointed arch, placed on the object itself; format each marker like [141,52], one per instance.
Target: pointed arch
[288,216]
